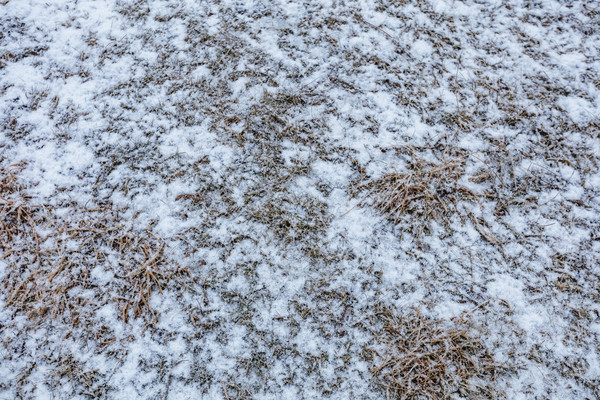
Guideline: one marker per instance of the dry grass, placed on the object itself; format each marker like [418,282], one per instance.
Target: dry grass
[434,359]
[427,191]
[56,257]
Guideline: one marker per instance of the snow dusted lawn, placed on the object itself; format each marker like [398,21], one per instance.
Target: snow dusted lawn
[299,199]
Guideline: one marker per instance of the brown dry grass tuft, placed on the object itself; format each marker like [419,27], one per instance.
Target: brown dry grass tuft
[427,191]
[435,359]
[65,262]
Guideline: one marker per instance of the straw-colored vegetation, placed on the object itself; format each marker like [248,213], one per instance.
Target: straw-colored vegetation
[435,359]
[58,257]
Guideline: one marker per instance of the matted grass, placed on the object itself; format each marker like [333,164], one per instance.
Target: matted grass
[435,359]
[427,191]
[60,257]
[244,126]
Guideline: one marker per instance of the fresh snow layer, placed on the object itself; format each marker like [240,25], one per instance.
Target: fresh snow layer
[274,112]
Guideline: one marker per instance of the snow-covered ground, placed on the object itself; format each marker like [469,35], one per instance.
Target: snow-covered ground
[239,150]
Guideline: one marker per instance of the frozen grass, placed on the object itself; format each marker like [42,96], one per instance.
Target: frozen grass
[435,359]
[218,199]
[427,191]
[64,263]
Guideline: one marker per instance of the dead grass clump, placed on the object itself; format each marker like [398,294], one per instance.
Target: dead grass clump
[427,191]
[293,218]
[65,262]
[435,359]
[272,118]
[66,369]
[16,217]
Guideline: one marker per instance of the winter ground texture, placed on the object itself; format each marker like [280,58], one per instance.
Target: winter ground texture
[299,199]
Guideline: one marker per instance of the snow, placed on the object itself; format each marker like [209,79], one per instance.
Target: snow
[421,49]
[580,110]
[135,103]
